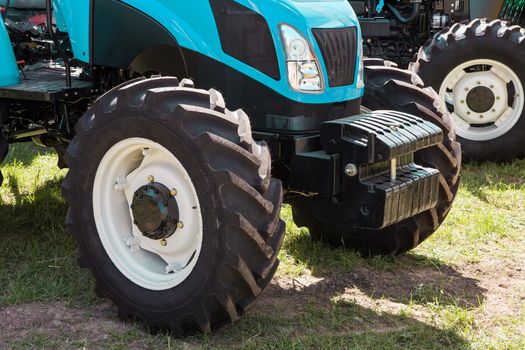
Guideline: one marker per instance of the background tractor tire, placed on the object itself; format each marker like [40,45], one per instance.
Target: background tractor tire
[390,88]
[466,57]
[240,202]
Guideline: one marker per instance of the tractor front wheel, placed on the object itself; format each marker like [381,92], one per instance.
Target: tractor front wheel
[173,204]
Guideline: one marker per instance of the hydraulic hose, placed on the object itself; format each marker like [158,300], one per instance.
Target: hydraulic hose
[413,15]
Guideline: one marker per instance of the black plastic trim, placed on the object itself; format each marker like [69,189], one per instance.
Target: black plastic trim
[246,36]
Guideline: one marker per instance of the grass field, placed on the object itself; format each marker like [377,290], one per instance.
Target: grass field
[462,289]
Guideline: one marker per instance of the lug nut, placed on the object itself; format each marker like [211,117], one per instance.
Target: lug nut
[163,242]
[350,170]
[173,192]
[151,178]
[180,224]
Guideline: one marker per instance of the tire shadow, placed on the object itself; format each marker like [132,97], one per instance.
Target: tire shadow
[410,278]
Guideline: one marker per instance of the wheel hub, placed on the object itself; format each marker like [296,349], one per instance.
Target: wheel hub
[481,99]
[155,211]
[480,114]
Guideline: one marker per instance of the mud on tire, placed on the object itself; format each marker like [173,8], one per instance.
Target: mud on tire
[240,202]
[388,87]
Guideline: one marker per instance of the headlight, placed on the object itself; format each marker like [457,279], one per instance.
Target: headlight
[304,72]
[361,74]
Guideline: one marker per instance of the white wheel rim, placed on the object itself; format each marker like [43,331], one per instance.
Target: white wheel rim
[505,111]
[125,168]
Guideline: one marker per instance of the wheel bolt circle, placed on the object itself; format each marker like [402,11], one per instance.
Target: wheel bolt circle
[155,211]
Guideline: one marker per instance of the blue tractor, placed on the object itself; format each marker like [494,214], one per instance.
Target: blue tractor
[175,191]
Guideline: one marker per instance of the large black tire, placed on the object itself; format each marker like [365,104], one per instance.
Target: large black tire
[390,88]
[476,40]
[240,202]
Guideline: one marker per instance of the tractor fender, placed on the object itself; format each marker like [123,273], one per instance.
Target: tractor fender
[9,74]
[124,37]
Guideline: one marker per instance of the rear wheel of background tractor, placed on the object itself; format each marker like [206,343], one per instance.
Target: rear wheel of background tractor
[479,72]
[390,88]
[173,204]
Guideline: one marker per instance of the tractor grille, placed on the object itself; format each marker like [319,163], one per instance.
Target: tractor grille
[339,50]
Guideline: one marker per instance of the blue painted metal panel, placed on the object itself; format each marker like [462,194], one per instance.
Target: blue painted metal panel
[9,74]
[193,25]
[73,16]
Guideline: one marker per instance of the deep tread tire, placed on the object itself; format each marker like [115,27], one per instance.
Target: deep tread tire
[240,202]
[479,39]
[388,87]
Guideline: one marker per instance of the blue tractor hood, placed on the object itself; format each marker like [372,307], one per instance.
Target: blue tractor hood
[317,13]
[194,28]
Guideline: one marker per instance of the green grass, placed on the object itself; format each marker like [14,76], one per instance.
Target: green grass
[440,296]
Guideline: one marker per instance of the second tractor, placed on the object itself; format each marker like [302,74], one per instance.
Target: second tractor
[472,52]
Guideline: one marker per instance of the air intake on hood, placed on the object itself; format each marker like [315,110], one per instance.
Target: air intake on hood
[339,49]
[245,35]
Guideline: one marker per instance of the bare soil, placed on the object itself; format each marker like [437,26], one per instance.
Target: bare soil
[498,285]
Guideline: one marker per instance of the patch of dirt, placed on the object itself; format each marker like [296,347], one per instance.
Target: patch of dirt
[497,286]
[376,295]
[504,282]
[57,320]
